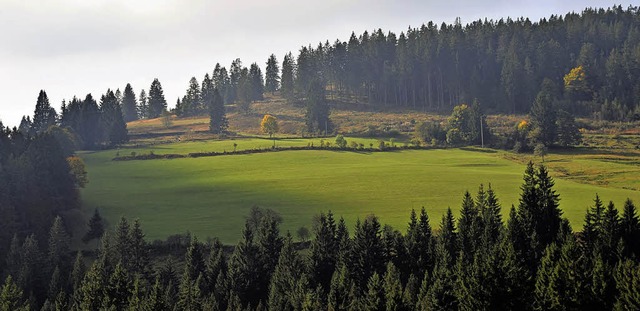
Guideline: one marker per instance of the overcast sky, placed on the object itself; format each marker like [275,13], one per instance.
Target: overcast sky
[75,47]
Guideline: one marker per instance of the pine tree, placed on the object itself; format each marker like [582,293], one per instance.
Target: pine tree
[115,129]
[627,278]
[122,244]
[630,229]
[156,101]
[256,81]
[269,245]
[118,289]
[317,108]
[44,115]
[91,291]
[324,251]
[338,298]
[136,298]
[11,297]
[156,300]
[96,227]
[287,273]
[217,118]
[418,242]
[374,298]
[191,101]
[138,252]
[129,104]
[288,70]
[393,289]
[367,254]
[77,274]
[543,115]
[244,269]
[272,75]
[468,227]
[143,106]
[58,246]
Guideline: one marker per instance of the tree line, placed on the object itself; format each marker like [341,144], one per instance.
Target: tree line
[590,57]
[479,261]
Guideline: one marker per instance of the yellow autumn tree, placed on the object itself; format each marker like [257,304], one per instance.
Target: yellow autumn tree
[575,82]
[269,125]
[78,171]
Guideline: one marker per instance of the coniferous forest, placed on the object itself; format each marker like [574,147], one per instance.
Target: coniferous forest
[585,64]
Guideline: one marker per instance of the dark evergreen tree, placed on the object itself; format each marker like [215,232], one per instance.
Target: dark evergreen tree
[543,115]
[143,105]
[129,104]
[418,242]
[217,118]
[156,102]
[272,75]
[630,229]
[114,127]
[257,82]
[44,115]
[287,273]
[324,251]
[288,74]
[317,109]
[367,253]
[374,298]
[96,227]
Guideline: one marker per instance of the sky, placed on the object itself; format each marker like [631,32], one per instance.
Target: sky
[76,47]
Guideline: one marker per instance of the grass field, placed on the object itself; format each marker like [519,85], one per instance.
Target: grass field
[210,196]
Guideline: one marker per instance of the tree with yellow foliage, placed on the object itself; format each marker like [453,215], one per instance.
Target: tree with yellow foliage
[269,125]
[575,83]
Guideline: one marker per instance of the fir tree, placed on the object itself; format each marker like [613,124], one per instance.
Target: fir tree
[630,229]
[44,115]
[393,289]
[115,129]
[129,104]
[418,243]
[96,227]
[118,289]
[272,75]
[324,251]
[217,118]
[11,296]
[156,101]
[287,85]
[143,106]
[287,273]
[374,298]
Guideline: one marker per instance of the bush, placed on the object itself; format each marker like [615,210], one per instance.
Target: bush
[428,131]
[341,142]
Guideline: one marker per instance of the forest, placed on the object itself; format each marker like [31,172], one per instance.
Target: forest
[580,64]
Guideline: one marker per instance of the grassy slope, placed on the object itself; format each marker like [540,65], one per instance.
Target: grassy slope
[210,196]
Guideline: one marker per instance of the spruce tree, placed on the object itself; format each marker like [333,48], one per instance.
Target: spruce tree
[630,229]
[374,298]
[272,75]
[96,227]
[543,115]
[367,254]
[44,115]
[138,252]
[156,101]
[143,106]
[11,296]
[118,289]
[324,251]
[287,273]
[468,227]
[58,246]
[627,278]
[115,129]
[257,82]
[418,242]
[393,289]
[288,70]
[129,104]
[218,123]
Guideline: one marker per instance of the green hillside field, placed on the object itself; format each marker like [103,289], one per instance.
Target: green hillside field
[210,196]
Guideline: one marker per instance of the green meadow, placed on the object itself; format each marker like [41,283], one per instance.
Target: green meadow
[210,196]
